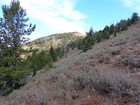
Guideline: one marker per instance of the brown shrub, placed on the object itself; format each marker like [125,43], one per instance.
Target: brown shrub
[105,82]
[114,50]
[130,61]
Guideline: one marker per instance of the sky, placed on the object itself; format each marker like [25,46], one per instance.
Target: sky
[58,16]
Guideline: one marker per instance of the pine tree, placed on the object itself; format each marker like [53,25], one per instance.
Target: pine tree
[107,35]
[53,53]
[111,29]
[89,40]
[86,45]
[39,60]
[123,25]
[128,22]
[99,36]
[118,27]
[13,31]
[91,32]
[134,17]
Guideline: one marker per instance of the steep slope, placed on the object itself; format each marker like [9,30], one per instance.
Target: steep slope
[108,74]
[57,40]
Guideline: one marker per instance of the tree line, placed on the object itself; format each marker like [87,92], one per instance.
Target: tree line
[96,37]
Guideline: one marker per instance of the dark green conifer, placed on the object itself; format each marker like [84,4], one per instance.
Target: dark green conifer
[53,53]
[13,31]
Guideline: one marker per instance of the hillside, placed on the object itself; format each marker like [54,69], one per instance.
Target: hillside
[57,40]
[108,74]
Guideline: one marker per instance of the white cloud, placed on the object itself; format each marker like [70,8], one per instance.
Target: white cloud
[55,15]
[133,4]
[127,2]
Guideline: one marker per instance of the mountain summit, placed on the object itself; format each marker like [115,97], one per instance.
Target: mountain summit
[57,40]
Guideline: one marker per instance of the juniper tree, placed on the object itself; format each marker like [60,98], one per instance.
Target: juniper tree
[13,33]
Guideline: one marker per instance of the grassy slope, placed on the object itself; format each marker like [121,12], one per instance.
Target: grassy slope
[86,78]
[57,40]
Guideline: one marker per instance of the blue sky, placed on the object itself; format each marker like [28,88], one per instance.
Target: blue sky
[57,16]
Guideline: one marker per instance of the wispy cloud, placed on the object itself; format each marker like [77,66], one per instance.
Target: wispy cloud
[133,4]
[127,3]
[55,15]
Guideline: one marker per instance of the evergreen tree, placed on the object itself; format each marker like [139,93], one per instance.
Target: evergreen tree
[134,17]
[86,45]
[91,32]
[111,29]
[107,35]
[13,31]
[89,40]
[123,25]
[39,60]
[128,22]
[106,29]
[118,27]
[53,53]
[99,36]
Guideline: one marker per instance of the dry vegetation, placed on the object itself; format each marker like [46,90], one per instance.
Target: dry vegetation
[57,40]
[108,74]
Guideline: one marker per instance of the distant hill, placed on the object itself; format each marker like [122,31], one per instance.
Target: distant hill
[57,40]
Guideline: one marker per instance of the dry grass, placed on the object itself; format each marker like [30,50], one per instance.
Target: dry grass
[130,61]
[34,96]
